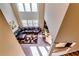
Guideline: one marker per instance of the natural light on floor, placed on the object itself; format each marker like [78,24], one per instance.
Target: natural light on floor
[42,50]
[34,51]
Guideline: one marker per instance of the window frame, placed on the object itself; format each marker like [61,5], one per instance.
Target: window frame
[25,9]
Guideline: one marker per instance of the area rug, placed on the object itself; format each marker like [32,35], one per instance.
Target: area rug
[29,40]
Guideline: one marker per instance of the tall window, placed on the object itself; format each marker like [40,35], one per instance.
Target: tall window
[20,7]
[35,23]
[24,22]
[30,23]
[34,7]
[27,7]
[30,9]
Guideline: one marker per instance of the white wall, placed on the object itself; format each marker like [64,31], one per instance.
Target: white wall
[54,14]
[8,13]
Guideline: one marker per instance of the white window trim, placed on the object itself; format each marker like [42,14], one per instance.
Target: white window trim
[30,10]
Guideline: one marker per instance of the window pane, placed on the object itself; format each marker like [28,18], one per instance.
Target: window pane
[24,22]
[30,24]
[35,23]
[20,7]
[34,7]
[27,7]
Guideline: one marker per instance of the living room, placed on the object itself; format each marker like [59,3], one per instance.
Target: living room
[33,30]
[27,32]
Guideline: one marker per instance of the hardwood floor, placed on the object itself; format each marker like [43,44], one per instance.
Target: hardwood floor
[72,54]
[41,43]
